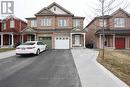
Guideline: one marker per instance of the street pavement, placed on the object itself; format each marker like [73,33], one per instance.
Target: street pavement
[91,73]
[52,68]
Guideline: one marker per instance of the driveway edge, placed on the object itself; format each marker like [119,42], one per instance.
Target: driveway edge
[7,54]
[110,74]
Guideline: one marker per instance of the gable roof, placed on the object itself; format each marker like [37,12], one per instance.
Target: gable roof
[13,17]
[120,9]
[55,4]
[45,11]
[28,30]
[49,12]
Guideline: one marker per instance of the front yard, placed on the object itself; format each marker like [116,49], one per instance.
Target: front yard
[6,49]
[118,62]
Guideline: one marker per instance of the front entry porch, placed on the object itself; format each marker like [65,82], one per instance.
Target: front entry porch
[9,39]
[114,41]
[77,40]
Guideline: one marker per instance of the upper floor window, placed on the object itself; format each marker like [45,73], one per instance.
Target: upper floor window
[63,22]
[46,22]
[12,24]
[119,22]
[101,22]
[76,23]
[4,25]
[33,23]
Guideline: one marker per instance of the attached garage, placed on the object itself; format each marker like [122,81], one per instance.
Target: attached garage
[62,42]
[120,43]
[47,41]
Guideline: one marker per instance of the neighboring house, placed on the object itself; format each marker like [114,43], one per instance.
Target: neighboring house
[57,27]
[0,25]
[117,31]
[10,32]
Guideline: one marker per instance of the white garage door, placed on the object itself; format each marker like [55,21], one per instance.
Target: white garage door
[62,42]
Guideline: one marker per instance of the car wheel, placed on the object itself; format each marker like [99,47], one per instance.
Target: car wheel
[46,48]
[38,52]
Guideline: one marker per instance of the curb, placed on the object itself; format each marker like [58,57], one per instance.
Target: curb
[7,54]
[110,74]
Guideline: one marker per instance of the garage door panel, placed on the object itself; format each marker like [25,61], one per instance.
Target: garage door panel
[47,41]
[62,42]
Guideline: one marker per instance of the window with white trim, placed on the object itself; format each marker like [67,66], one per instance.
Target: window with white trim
[119,22]
[46,22]
[33,23]
[63,23]
[101,22]
[76,23]
[4,25]
[12,24]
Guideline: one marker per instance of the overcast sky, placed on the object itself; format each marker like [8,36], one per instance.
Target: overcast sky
[85,8]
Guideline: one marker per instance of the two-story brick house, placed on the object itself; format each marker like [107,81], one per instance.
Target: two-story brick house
[10,31]
[57,27]
[117,31]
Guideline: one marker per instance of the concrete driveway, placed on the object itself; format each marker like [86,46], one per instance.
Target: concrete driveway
[91,73]
[52,68]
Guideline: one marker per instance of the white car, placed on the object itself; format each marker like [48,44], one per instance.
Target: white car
[31,47]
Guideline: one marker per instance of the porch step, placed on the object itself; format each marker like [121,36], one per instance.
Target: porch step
[6,46]
[78,48]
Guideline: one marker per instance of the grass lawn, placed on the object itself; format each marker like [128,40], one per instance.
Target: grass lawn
[6,49]
[118,62]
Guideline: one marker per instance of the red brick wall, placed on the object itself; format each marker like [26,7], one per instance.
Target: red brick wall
[19,25]
[119,14]
[91,29]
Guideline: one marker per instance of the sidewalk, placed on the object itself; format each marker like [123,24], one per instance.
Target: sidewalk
[7,54]
[91,73]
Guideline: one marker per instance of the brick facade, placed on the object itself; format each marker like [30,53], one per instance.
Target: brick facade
[9,33]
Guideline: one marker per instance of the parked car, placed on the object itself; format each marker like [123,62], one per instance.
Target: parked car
[31,47]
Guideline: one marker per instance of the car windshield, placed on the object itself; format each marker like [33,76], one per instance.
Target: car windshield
[29,43]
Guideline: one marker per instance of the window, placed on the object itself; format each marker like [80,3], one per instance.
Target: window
[12,24]
[101,22]
[54,8]
[63,22]
[4,25]
[33,23]
[76,23]
[119,22]
[46,22]
[40,43]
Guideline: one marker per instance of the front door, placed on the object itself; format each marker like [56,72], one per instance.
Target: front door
[120,43]
[77,40]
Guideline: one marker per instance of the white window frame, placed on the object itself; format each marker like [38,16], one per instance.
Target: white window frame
[63,23]
[77,23]
[12,24]
[101,22]
[33,23]
[119,22]
[4,26]
[46,22]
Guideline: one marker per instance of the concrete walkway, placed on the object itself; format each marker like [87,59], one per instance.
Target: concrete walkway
[91,73]
[7,54]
